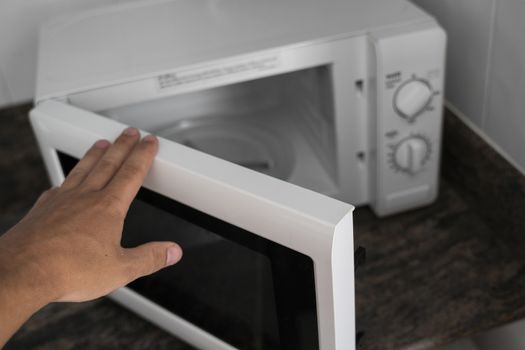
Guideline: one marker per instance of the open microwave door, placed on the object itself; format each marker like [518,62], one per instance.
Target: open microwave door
[267,264]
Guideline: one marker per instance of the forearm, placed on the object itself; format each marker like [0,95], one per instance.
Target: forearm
[21,291]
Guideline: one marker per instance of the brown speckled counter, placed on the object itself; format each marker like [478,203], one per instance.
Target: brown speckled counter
[433,275]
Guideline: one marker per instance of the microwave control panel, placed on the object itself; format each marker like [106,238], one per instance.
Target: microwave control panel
[406,133]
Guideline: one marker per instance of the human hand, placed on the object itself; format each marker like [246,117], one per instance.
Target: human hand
[67,248]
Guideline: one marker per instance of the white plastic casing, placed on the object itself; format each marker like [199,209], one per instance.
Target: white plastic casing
[406,70]
[132,53]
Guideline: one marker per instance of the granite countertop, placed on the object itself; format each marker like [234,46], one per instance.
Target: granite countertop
[433,275]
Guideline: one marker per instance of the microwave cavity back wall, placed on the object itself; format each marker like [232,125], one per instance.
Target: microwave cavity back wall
[271,115]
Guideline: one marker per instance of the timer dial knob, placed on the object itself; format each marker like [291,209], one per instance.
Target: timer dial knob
[412,97]
[411,154]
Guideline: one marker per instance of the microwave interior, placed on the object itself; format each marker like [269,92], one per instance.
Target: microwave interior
[282,125]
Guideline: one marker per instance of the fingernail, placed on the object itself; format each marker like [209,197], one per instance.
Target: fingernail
[102,144]
[174,255]
[149,138]
[130,132]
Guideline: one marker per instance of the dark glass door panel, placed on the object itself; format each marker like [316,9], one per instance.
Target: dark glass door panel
[246,290]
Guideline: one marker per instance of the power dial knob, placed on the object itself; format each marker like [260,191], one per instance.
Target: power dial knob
[412,97]
[411,154]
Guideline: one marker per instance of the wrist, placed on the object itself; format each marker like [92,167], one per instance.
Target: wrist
[23,280]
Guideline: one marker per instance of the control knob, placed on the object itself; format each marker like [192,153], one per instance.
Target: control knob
[412,97]
[411,154]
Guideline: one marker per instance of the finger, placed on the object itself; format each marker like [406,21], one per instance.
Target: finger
[151,257]
[111,161]
[127,181]
[86,164]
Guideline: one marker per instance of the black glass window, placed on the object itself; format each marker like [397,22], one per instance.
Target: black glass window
[246,290]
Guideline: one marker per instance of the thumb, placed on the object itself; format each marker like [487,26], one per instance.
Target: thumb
[151,257]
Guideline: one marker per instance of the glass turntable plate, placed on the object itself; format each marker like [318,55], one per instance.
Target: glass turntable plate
[235,139]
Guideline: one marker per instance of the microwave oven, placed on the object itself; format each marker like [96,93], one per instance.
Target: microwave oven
[271,116]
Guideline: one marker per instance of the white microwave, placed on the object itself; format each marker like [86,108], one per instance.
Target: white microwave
[271,116]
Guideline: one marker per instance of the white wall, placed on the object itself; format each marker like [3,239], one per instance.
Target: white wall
[486,68]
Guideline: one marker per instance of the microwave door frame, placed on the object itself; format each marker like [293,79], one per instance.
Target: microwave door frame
[310,223]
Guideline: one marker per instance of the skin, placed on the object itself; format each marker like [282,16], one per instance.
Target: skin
[67,248]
